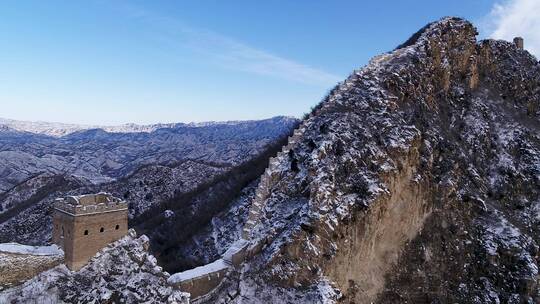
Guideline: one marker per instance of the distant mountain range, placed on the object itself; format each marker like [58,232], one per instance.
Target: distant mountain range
[57,129]
[106,153]
[146,167]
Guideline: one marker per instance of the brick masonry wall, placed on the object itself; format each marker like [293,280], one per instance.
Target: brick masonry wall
[202,285]
[80,247]
[18,268]
[62,220]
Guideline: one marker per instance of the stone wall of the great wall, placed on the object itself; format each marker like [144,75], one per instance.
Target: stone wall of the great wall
[203,280]
[270,176]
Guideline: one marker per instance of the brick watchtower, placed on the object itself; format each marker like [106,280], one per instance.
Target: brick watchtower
[84,224]
[518,41]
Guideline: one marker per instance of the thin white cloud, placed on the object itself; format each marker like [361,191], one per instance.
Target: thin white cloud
[512,18]
[228,52]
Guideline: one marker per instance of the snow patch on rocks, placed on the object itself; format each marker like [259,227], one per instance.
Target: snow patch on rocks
[33,250]
[123,272]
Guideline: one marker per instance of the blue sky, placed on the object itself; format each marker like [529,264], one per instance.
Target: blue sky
[112,62]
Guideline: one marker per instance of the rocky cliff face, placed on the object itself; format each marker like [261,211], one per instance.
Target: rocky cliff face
[124,272]
[416,180]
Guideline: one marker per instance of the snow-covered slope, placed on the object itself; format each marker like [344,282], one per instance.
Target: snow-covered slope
[152,184]
[26,213]
[17,248]
[123,272]
[211,242]
[416,181]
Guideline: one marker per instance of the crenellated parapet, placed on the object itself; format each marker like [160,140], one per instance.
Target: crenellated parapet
[89,204]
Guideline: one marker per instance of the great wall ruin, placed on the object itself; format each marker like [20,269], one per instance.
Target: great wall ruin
[201,281]
[271,174]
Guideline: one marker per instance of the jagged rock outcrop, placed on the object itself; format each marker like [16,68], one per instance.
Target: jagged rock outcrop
[416,180]
[123,272]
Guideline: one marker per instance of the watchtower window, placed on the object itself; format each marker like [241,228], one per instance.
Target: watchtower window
[117,227]
[86,232]
[101,229]
[62,231]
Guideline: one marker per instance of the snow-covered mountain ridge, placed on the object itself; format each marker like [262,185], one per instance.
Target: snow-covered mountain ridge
[99,156]
[57,129]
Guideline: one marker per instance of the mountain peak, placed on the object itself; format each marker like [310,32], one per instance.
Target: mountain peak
[421,136]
